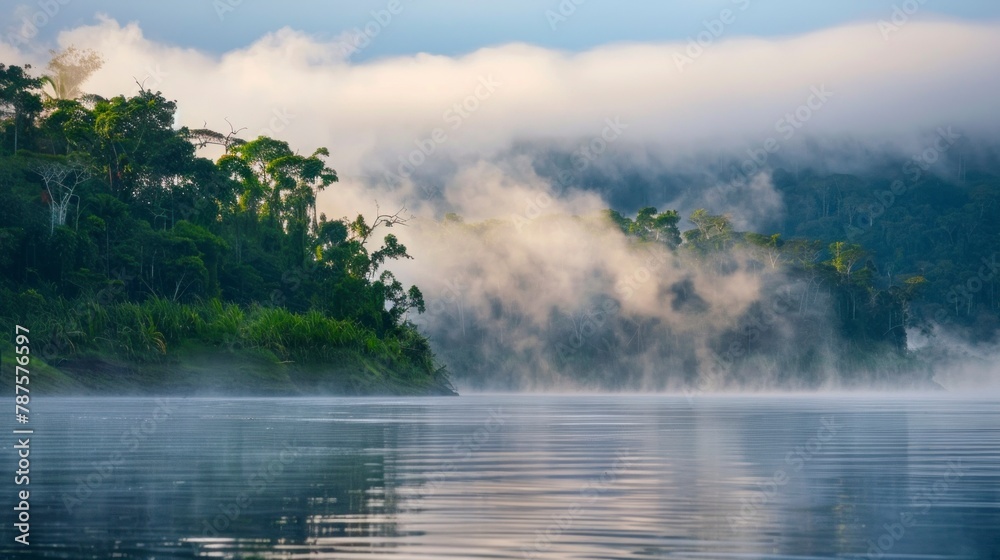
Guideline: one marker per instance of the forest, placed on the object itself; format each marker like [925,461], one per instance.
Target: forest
[883,277]
[140,265]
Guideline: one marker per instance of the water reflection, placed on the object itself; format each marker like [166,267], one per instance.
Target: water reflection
[513,477]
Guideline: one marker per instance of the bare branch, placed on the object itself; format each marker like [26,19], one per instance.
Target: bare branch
[61,180]
[202,137]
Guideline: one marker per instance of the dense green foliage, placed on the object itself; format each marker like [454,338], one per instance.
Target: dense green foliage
[120,244]
[883,277]
[118,240]
[822,315]
[911,230]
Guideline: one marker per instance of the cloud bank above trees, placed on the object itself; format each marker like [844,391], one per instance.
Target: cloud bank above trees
[440,133]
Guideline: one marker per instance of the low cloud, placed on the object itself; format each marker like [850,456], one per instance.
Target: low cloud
[737,94]
[517,134]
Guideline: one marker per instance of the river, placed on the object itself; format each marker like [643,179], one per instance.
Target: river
[511,476]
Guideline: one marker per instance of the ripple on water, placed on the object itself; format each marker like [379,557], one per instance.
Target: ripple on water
[515,476]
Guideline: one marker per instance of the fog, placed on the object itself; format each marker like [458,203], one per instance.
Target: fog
[527,145]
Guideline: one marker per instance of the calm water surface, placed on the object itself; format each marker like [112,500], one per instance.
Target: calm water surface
[582,477]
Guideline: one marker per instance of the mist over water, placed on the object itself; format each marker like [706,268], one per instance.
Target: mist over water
[528,285]
[515,476]
[726,297]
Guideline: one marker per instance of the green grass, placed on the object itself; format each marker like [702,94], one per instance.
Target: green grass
[159,345]
[43,378]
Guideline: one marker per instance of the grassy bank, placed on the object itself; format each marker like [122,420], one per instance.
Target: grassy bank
[160,346]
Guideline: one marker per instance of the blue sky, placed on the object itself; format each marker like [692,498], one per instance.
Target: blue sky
[452,27]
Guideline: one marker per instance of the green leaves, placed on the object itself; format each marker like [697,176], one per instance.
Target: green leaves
[279,188]
[137,146]
[392,249]
[19,102]
[649,225]
[712,233]
[845,257]
[112,190]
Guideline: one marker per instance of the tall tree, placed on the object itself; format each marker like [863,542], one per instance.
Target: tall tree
[19,102]
[68,70]
[653,226]
[140,151]
[61,179]
[713,232]
[649,225]
[768,246]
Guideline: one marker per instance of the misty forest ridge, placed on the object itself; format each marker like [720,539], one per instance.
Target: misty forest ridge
[510,280]
[150,256]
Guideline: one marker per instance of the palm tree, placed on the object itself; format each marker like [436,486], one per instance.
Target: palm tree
[68,70]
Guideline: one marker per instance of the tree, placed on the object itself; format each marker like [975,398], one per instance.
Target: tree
[270,171]
[620,222]
[302,178]
[68,70]
[140,151]
[67,127]
[844,257]
[356,285]
[851,286]
[662,227]
[713,232]
[61,180]
[361,231]
[18,101]
[279,190]
[769,246]
[202,137]
[165,239]
[649,225]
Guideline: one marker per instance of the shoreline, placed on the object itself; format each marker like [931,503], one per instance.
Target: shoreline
[242,373]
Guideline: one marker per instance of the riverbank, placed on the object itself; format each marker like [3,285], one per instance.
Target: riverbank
[204,370]
[158,347]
